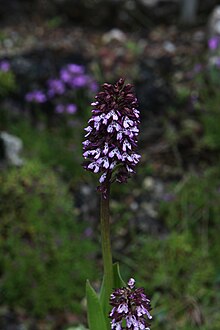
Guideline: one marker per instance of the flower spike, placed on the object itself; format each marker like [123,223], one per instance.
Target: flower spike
[131,308]
[111,137]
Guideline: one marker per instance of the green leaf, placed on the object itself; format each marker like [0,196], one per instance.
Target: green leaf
[96,319]
[104,300]
[118,281]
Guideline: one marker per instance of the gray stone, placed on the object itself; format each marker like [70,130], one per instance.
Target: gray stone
[188,11]
[11,148]
[214,23]
[114,35]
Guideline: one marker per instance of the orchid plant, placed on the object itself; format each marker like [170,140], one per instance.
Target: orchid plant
[110,150]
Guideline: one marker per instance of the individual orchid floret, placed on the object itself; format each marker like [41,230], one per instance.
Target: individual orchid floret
[131,308]
[113,130]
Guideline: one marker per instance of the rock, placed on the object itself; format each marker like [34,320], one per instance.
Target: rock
[114,35]
[10,148]
[149,3]
[214,37]
[188,11]
[21,66]
[214,23]
[169,46]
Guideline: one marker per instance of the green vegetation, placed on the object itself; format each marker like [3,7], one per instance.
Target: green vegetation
[44,256]
[182,268]
[7,83]
[44,259]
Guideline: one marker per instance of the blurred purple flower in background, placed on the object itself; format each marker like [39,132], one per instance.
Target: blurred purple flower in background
[79,81]
[65,75]
[213,43]
[75,77]
[75,69]
[93,86]
[71,72]
[72,78]
[71,108]
[36,96]
[56,87]
[4,66]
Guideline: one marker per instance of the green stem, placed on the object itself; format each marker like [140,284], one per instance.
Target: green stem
[106,242]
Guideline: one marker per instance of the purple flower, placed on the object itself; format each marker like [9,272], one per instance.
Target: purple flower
[65,75]
[56,87]
[75,77]
[111,136]
[73,74]
[4,66]
[36,97]
[131,308]
[75,69]
[213,43]
[79,81]
[71,109]
[93,86]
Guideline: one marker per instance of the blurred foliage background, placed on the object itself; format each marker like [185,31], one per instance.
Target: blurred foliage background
[165,221]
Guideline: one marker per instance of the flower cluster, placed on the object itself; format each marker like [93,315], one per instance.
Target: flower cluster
[75,77]
[111,137]
[131,308]
[36,96]
[71,79]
